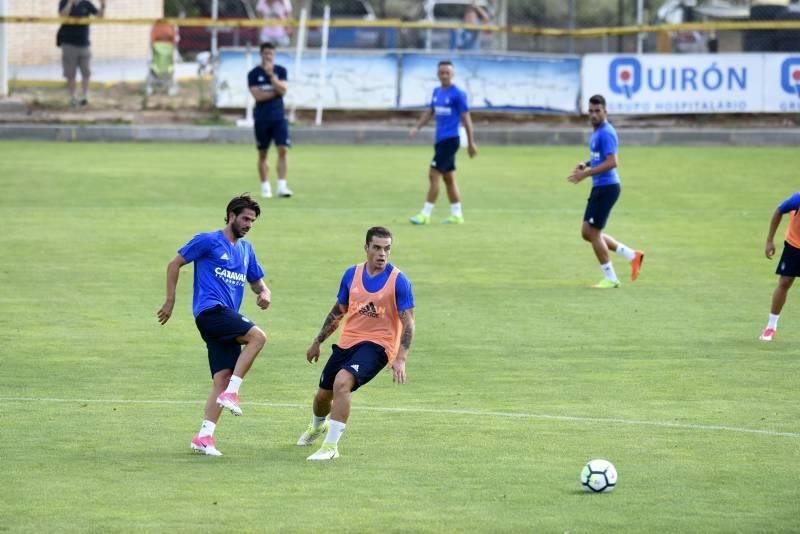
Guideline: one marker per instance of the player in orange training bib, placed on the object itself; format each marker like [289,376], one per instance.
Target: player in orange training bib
[376,301]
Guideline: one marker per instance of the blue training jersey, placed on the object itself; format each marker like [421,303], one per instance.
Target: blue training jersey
[403,296]
[603,142]
[448,105]
[790,204]
[269,110]
[221,270]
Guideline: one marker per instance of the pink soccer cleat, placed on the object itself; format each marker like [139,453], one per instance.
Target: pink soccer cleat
[230,401]
[205,445]
[767,334]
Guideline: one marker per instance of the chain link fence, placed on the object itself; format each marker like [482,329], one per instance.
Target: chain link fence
[399,24]
[173,57]
[782,40]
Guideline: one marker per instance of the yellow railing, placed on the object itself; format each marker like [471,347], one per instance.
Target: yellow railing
[424,25]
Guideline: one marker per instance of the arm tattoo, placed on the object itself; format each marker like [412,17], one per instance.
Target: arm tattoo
[331,323]
[408,329]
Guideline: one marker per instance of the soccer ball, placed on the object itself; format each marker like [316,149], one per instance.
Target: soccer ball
[599,476]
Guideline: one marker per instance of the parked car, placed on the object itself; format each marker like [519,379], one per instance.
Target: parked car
[194,39]
[685,41]
[452,11]
[360,37]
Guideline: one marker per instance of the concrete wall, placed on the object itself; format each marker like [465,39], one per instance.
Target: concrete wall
[35,44]
[378,135]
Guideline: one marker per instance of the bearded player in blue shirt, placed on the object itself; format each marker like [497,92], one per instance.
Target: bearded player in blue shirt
[223,264]
[602,167]
[449,105]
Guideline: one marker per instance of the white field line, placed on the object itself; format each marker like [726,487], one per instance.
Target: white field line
[473,413]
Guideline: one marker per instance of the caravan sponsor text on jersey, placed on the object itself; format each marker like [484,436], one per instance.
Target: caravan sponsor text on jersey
[237,279]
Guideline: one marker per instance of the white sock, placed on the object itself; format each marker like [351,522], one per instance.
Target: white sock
[265,187]
[427,209]
[335,431]
[455,209]
[608,270]
[625,252]
[773,321]
[282,185]
[233,385]
[207,428]
[317,421]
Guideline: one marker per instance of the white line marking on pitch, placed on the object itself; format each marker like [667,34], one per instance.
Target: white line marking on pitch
[474,413]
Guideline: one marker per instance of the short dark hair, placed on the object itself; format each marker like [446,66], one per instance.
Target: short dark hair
[266,45]
[238,204]
[445,62]
[598,100]
[378,231]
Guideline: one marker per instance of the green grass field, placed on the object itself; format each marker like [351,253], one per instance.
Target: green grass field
[518,374]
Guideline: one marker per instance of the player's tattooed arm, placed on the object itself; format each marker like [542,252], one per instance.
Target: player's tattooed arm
[399,363]
[331,322]
[407,335]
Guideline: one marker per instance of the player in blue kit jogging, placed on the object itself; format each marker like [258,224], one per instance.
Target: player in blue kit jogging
[223,264]
[789,264]
[268,84]
[449,105]
[602,167]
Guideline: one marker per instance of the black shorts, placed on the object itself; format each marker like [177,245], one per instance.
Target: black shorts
[219,327]
[444,155]
[601,200]
[364,361]
[269,131]
[789,264]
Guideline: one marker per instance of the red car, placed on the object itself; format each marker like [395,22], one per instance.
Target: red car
[194,39]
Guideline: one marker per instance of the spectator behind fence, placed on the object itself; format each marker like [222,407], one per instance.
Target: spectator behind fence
[75,46]
[471,39]
[275,9]
[161,72]
[163,32]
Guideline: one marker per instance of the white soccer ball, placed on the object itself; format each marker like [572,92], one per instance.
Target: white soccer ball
[599,476]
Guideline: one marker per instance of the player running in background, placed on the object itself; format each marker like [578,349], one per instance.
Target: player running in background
[449,104]
[789,264]
[602,167]
[268,85]
[377,300]
[223,262]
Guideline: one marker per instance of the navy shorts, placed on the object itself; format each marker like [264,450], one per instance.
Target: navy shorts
[364,361]
[789,265]
[219,327]
[601,200]
[268,131]
[444,156]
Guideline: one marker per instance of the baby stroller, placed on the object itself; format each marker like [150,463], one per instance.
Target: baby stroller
[163,52]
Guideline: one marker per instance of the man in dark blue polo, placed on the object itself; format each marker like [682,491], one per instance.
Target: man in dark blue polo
[268,84]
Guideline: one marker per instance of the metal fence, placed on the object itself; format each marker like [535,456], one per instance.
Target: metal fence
[133,43]
[446,26]
[485,20]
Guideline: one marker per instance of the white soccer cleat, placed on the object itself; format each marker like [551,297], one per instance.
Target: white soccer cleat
[205,445]
[767,334]
[328,451]
[229,401]
[284,192]
[311,435]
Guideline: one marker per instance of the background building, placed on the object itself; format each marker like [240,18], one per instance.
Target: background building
[35,44]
